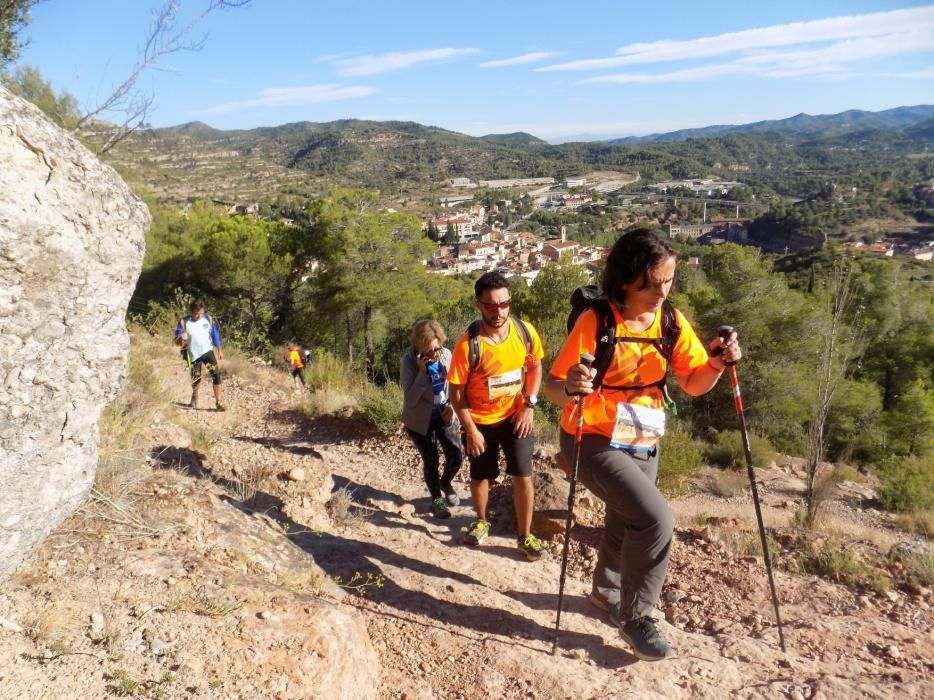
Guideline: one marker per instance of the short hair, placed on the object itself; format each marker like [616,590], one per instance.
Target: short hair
[426,330]
[196,305]
[489,280]
[632,256]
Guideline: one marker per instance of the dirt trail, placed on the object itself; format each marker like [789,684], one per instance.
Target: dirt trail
[446,620]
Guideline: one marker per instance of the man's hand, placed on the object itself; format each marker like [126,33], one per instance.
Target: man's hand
[524,420]
[220,354]
[476,443]
[182,339]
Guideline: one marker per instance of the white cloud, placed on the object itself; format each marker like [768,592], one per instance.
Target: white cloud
[833,60]
[888,27]
[925,74]
[383,63]
[532,57]
[288,97]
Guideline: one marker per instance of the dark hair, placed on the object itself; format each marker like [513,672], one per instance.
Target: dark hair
[196,305]
[632,256]
[489,280]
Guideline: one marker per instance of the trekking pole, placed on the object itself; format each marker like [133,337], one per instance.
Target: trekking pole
[724,332]
[586,360]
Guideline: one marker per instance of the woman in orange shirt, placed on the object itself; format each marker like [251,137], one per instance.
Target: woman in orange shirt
[623,420]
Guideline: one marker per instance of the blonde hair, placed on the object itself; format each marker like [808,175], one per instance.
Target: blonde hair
[425,331]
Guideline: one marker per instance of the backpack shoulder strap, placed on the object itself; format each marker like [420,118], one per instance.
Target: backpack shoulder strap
[671,331]
[473,348]
[523,333]
[606,338]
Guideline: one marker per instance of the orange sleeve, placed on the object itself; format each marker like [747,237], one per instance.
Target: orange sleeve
[583,338]
[460,357]
[689,352]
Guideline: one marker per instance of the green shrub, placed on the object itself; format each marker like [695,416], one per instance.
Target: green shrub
[679,460]
[327,373]
[907,484]
[381,406]
[728,451]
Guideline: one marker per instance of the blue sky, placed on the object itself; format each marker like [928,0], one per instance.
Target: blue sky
[558,70]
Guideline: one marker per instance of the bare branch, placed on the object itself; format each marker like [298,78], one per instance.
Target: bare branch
[164,38]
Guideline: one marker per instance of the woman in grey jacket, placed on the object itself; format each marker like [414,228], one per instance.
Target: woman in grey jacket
[428,416]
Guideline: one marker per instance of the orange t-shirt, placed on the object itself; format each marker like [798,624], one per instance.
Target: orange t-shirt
[634,364]
[295,359]
[494,392]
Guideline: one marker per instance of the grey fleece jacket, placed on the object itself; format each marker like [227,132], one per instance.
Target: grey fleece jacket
[418,397]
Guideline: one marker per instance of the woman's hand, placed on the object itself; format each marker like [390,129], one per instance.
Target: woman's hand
[580,380]
[729,351]
[422,362]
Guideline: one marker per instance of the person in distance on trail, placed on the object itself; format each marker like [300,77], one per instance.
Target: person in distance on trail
[427,414]
[201,342]
[623,419]
[297,362]
[491,364]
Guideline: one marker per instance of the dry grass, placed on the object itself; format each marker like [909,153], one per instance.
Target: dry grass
[325,402]
[920,522]
[727,483]
[202,438]
[248,480]
[342,508]
[53,624]
[200,603]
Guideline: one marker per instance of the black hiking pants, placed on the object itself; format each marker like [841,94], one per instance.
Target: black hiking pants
[427,446]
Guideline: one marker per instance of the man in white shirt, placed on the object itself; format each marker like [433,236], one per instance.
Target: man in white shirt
[201,344]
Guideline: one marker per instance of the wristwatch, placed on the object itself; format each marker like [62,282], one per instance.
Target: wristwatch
[531,402]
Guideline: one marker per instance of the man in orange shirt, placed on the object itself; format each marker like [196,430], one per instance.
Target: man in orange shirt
[487,394]
[298,366]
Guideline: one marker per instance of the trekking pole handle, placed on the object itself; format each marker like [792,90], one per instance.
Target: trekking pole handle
[724,332]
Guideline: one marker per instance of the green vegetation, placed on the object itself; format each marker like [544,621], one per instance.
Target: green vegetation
[14,15]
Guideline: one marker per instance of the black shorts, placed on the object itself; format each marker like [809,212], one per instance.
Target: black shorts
[299,372]
[518,453]
[207,363]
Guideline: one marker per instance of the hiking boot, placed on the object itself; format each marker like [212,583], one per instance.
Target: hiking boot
[531,547]
[598,601]
[451,495]
[220,407]
[477,532]
[646,641]
[439,508]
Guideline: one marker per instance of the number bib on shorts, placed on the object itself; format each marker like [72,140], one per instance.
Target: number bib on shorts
[505,384]
[637,427]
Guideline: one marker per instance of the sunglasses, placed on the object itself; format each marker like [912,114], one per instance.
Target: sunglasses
[494,306]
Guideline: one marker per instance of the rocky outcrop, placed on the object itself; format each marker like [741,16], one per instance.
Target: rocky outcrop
[71,246]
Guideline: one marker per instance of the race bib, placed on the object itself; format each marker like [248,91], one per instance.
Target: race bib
[637,426]
[505,384]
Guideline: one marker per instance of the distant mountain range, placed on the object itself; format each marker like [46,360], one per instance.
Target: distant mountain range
[407,161]
[801,125]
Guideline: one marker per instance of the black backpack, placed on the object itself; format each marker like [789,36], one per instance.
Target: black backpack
[473,340]
[593,297]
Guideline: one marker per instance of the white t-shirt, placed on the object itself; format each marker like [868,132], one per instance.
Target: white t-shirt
[199,336]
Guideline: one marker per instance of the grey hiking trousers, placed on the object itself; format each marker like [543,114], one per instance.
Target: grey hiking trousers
[638,528]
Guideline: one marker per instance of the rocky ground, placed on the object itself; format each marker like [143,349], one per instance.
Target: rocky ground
[258,553]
